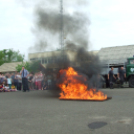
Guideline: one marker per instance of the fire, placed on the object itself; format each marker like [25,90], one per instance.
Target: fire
[73,87]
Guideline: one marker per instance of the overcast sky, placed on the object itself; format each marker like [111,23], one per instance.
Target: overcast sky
[112,23]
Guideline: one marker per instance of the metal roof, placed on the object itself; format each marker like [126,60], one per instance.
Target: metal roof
[118,54]
[9,67]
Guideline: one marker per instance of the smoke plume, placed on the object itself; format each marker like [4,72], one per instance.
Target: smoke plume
[75,26]
[76,35]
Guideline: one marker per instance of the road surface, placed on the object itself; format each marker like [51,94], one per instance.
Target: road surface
[39,112]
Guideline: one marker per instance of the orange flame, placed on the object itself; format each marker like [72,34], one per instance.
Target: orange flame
[72,88]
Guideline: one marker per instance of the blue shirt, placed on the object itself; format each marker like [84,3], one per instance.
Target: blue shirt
[1,80]
[25,73]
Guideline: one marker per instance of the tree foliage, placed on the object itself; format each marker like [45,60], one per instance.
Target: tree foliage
[1,57]
[9,55]
[33,67]
[26,65]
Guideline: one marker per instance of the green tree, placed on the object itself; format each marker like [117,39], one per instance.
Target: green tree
[33,67]
[9,55]
[26,65]
[1,57]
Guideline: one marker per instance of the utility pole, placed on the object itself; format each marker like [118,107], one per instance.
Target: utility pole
[61,25]
[62,32]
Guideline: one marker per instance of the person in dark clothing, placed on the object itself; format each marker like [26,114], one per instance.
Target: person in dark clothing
[16,81]
[44,87]
[110,77]
[121,75]
[1,79]
[12,77]
[30,83]
[24,73]
[19,82]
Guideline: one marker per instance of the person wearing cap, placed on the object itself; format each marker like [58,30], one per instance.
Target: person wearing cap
[24,74]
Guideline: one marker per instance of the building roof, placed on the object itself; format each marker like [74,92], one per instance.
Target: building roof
[9,67]
[118,54]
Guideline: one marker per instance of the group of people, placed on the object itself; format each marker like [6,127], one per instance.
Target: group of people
[9,82]
[25,81]
[121,75]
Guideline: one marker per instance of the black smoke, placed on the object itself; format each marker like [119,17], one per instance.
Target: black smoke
[76,42]
[48,22]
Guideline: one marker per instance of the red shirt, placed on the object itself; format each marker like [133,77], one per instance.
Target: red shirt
[1,86]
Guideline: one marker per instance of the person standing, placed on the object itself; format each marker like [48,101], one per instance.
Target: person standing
[24,73]
[19,81]
[121,75]
[30,79]
[110,77]
[35,81]
[12,77]
[40,78]
[16,80]
[1,78]
[49,80]
[9,81]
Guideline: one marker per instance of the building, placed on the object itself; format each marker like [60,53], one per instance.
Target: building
[9,67]
[50,57]
[116,55]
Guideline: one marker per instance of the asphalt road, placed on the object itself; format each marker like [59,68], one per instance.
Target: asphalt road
[38,112]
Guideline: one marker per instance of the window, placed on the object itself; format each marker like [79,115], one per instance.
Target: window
[50,60]
[33,59]
[45,61]
[42,61]
[131,61]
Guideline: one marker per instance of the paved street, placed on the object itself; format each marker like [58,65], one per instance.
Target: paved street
[39,112]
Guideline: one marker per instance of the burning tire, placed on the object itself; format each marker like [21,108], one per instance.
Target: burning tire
[131,82]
